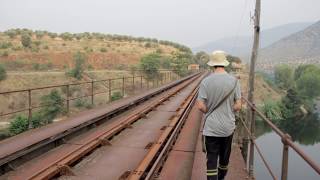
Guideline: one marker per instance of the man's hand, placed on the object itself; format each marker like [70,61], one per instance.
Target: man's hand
[237,105]
[202,106]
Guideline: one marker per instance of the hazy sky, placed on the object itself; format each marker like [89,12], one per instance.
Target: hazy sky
[191,22]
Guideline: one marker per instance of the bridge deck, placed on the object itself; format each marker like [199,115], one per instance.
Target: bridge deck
[236,166]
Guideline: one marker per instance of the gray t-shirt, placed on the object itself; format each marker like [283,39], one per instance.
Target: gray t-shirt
[221,122]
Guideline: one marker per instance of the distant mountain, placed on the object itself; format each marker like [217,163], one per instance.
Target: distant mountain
[242,45]
[300,47]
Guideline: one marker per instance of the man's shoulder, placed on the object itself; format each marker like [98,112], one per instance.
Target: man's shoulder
[213,76]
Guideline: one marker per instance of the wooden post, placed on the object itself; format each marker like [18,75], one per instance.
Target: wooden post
[133,88]
[92,93]
[110,88]
[254,54]
[30,125]
[285,158]
[123,87]
[252,132]
[141,82]
[68,99]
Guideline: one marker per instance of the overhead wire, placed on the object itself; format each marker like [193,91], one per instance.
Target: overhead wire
[239,25]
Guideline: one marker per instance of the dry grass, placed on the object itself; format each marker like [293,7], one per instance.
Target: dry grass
[59,53]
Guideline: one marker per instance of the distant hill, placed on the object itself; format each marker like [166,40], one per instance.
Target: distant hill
[52,51]
[242,45]
[300,47]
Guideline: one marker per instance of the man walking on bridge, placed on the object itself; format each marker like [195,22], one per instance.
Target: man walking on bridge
[219,97]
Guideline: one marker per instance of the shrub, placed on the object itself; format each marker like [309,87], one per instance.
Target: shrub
[46,47]
[150,65]
[18,125]
[37,43]
[11,33]
[53,105]
[284,76]
[35,49]
[21,123]
[82,103]
[116,95]
[90,67]
[103,49]
[3,73]
[272,110]
[36,66]
[77,71]
[66,36]
[26,40]
[159,51]
[39,34]
[5,45]
[16,48]
[5,54]
[52,35]
[147,45]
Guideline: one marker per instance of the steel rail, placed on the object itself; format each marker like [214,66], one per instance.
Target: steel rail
[64,133]
[157,152]
[286,139]
[101,138]
[158,162]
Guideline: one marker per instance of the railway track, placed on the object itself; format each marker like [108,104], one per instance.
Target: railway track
[62,151]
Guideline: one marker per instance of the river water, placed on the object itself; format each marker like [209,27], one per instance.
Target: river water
[306,134]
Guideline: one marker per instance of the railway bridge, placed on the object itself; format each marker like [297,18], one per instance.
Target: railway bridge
[155,134]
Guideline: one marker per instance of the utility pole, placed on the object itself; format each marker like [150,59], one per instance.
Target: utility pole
[254,54]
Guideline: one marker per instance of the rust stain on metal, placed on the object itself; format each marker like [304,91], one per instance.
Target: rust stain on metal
[50,170]
[163,127]
[125,175]
[149,145]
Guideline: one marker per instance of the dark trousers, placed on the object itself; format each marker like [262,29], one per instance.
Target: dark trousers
[217,149]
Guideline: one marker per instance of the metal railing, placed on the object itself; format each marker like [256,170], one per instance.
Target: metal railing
[107,83]
[285,139]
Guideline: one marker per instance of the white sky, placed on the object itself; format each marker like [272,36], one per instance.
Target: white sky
[191,22]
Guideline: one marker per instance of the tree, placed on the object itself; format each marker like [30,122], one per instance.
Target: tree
[300,70]
[79,60]
[150,65]
[52,106]
[291,103]
[26,40]
[39,34]
[11,33]
[3,73]
[201,58]
[180,63]
[308,84]
[283,75]
[66,36]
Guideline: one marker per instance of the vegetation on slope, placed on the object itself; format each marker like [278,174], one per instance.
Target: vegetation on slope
[24,49]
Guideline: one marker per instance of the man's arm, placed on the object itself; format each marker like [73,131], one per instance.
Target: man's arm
[237,102]
[237,105]
[202,97]
[202,106]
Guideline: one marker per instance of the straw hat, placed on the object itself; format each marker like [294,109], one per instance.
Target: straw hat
[218,58]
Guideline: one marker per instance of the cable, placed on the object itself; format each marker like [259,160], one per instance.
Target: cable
[238,28]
